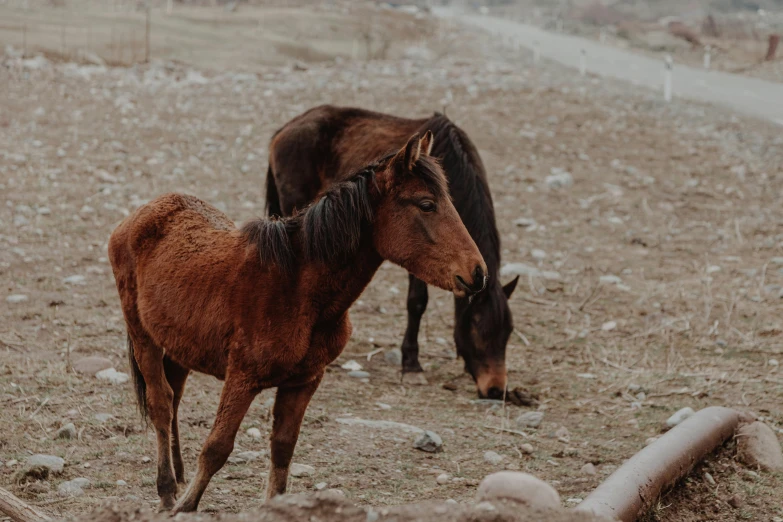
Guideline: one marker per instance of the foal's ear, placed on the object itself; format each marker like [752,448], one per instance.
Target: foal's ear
[509,287]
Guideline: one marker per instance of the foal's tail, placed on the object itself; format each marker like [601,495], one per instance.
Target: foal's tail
[272,196]
[138,381]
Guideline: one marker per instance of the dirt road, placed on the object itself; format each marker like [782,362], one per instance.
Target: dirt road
[749,96]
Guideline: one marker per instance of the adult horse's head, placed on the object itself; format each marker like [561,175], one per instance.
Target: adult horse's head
[483,326]
[417,227]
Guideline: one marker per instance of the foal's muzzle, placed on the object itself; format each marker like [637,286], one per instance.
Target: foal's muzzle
[478,284]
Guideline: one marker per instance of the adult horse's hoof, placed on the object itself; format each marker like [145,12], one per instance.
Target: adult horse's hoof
[414,379]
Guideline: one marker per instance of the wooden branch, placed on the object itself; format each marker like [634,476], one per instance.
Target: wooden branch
[18,510]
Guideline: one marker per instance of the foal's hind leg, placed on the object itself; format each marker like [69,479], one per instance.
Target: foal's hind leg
[417,304]
[160,398]
[176,375]
[235,399]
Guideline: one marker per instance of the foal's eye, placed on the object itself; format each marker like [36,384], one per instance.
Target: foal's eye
[427,206]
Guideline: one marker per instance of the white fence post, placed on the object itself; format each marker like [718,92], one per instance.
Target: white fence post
[667,79]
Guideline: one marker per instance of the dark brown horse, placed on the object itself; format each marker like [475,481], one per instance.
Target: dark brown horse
[267,306]
[325,144]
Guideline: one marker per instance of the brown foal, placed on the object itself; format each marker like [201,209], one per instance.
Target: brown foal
[267,306]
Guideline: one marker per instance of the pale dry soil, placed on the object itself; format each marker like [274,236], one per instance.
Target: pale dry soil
[681,203]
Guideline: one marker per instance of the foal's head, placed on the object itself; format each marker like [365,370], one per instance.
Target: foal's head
[417,226]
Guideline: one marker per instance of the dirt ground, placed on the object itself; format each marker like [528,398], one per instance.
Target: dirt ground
[663,261]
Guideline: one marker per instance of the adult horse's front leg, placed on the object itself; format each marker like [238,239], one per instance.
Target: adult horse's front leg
[290,406]
[235,399]
[417,304]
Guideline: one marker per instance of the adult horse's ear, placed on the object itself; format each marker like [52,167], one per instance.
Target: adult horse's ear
[426,143]
[412,152]
[508,288]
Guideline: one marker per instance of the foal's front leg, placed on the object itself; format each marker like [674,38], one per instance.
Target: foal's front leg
[417,304]
[290,406]
[235,400]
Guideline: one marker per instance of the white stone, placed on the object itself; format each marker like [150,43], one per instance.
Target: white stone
[351,366]
[52,463]
[112,376]
[520,487]
[443,479]
[301,470]
[254,433]
[16,298]
[609,326]
[74,280]
[493,458]
[530,419]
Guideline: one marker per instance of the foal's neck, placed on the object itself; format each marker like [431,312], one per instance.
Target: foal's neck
[343,282]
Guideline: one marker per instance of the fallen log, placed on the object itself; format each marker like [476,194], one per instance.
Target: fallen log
[637,484]
[18,510]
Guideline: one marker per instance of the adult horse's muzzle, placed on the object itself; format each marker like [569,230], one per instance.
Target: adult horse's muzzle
[478,284]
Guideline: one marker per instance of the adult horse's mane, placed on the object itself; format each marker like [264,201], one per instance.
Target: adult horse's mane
[468,186]
[331,227]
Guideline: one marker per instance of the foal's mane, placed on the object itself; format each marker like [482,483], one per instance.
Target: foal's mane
[330,229]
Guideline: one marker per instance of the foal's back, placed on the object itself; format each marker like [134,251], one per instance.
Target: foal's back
[172,251]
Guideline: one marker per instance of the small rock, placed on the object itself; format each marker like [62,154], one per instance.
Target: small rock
[254,432]
[121,483]
[429,441]
[321,486]
[112,376]
[351,366]
[538,254]
[520,487]
[359,375]
[73,488]
[559,178]
[50,462]
[525,222]
[610,280]
[450,501]
[493,458]
[609,326]
[530,419]
[562,433]
[67,432]
[735,502]
[146,460]
[91,365]
[443,478]
[393,357]
[74,280]
[383,405]
[301,470]
[526,448]
[246,456]
[11,463]
[589,469]
[103,418]
[758,446]
[520,269]
[16,298]
[679,416]
[709,478]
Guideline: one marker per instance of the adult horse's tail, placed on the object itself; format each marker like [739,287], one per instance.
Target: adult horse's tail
[138,381]
[272,196]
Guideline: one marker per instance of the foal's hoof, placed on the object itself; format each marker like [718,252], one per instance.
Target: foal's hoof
[414,379]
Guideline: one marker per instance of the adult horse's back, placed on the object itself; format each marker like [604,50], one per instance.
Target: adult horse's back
[326,143]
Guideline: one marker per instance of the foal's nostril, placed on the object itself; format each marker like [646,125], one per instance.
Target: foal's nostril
[479,279]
